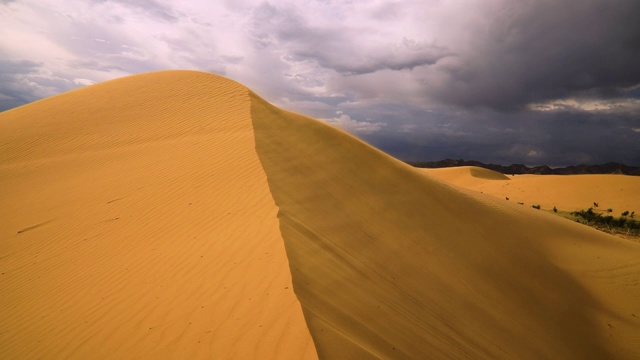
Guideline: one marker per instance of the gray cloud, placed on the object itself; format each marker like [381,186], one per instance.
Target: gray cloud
[13,91]
[344,50]
[536,50]
[152,8]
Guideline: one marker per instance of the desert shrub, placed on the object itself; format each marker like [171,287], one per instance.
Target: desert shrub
[585,214]
[536,206]
[609,210]
[555,209]
[608,223]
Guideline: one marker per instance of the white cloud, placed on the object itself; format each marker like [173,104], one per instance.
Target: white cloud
[622,105]
[84,82]
[346,123]
[407,128]
[533,153]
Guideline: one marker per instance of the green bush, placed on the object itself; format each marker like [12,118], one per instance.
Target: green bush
[608,222]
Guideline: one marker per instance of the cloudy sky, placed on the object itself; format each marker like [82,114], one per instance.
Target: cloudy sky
[552,82]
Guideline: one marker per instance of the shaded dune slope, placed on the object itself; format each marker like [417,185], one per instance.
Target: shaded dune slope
[136,222]
[388,263]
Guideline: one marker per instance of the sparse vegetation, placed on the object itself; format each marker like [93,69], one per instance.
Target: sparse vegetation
[608,223]
[624,226]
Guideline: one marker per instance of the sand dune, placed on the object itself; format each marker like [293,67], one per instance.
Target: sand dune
[136,222]
[567,192]
[139,220]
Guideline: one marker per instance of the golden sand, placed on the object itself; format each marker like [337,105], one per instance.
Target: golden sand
[136,222]
[148,217]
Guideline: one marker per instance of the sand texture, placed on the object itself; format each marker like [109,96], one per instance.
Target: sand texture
[178,215]
[567,192]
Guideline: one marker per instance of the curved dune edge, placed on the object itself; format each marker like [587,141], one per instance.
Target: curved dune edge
[453,173]
[388,263]
[468,176]
[136,222]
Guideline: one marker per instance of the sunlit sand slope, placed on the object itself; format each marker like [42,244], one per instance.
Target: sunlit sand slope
[389,263]
[136,222]
[567,192]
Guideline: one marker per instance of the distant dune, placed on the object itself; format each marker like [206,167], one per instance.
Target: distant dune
[520,169]
[466,176]
[178,215]
[567,192]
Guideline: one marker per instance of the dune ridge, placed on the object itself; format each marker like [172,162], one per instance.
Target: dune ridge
[179,215]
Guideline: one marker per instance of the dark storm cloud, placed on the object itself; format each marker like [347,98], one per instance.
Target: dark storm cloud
[344,50]
[535,50]
[555,138]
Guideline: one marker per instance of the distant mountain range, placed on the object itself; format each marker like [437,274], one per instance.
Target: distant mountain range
[518,169]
